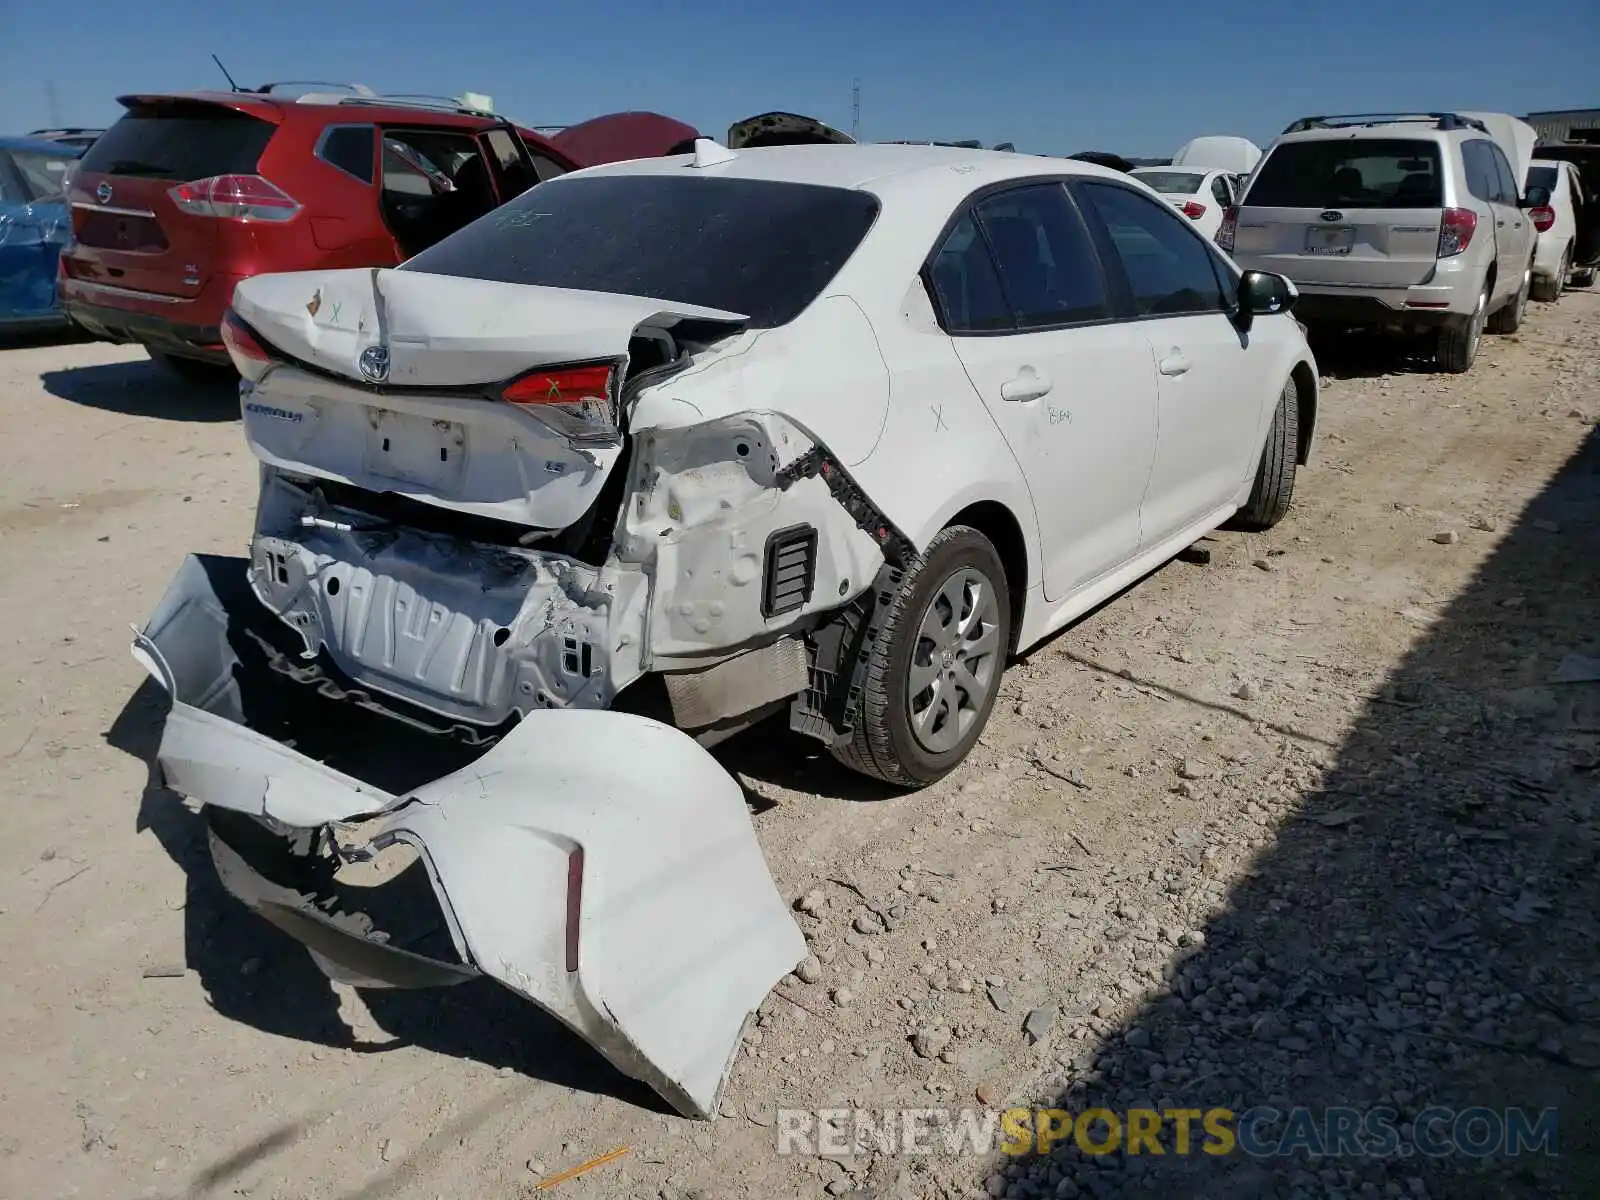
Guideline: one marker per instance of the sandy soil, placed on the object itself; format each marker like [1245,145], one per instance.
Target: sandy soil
[157,1040]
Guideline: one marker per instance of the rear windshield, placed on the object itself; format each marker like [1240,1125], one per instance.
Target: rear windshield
[748,246]
[43,173]
[1353,173]
[180,141]
[1174,183]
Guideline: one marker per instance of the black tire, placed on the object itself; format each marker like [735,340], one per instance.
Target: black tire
[192,369]
[1508,317]
[1583,278]
[885,745]
[1274,485]
[1458,342]
[1548,291]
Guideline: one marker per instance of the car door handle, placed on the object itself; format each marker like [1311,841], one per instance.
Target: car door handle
[1028,385]
[1173,363]
[1500,224]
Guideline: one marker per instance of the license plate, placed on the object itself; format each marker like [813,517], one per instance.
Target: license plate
[1330,239]
[418,450]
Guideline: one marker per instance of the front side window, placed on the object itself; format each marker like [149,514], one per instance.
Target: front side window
[1350,173]
[1047,264]
[758,247]
[1168,267]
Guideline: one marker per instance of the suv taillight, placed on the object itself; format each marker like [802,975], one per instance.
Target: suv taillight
[1542,217]
[1193,209]
[236,198]
[1230,222]
[1456,230]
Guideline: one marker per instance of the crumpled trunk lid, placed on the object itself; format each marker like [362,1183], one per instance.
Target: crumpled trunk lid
[601,865]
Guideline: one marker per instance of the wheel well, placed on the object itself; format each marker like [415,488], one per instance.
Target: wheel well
[1305,390]
[995,522]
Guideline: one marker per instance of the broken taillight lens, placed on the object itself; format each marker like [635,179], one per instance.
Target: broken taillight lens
[1542,217]
[1456,230]
[248,354]
[236,198]
[577,401]
[574,904]
[1230,223]
[1193,209]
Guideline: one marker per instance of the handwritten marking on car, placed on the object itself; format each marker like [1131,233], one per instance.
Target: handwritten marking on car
[938,417]
[1060,416]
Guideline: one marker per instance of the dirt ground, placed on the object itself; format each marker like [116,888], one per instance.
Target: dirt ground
[1305,824]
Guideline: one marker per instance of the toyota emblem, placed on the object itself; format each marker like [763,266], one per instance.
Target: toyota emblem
[103,193]
[374,364]
[1332,214]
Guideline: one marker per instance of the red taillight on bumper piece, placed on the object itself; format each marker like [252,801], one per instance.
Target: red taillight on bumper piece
[250,357]
[1193,209]
[574,904]
[1456,230]
[1230,223]
[235,198]
[579,402]
[1542,217]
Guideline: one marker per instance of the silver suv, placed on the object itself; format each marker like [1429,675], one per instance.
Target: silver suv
[1398,221]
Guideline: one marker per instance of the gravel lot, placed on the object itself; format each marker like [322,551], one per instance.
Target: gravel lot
[1308,824]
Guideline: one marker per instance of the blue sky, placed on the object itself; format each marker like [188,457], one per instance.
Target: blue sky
[1052,77]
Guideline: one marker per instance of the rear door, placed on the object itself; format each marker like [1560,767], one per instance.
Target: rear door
[1514,232]
[1023,295]
[130,231]
[1353,212]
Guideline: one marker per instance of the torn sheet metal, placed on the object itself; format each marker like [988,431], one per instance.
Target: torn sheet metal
[599,864]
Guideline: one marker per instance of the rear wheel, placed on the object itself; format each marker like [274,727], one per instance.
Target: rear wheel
[935,665]
[1458,342]
[192,369]
[1508,319]
[1548,291]
[1275,473]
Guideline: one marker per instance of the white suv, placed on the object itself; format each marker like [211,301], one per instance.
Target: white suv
[1414,223]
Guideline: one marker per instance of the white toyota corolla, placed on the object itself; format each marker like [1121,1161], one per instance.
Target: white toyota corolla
[835,428]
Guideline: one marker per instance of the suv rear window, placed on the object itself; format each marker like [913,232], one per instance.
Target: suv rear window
[1358,173]
[750,246]
[181,142]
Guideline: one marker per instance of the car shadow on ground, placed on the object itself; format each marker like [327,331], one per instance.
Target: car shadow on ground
[1414,938]
[1357,354]
[144,389]
[261,977]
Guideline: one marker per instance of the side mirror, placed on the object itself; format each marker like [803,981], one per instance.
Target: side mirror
[1261,293]
[1535,197]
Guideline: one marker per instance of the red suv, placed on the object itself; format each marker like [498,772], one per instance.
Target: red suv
[187,194]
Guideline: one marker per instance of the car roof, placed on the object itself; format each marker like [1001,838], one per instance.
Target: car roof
[39,146]
[876,167]
[287,107]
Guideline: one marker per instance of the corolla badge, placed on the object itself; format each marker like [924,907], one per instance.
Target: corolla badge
[374,364]
[1332,214]
[103,193]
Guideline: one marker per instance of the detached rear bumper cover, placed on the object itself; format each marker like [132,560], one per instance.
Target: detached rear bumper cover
[680,930]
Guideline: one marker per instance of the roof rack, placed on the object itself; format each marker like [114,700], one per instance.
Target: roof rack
[64,130]
[357,89]
[1445,121]
[429,103]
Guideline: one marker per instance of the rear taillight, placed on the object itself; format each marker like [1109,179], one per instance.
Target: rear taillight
[235,198]
[1193,209]
[574,904]
[1230,222]
[1456,230]
[248,354]
[579,402]
[1542,217]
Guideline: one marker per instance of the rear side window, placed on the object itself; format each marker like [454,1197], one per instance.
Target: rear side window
[1047,263]
[1482,179]
[1505,176]
[966,285]
[751,246]
[349,147]
[180,142]
[1350,173]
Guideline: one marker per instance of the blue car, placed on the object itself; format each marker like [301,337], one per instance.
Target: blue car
[34,225]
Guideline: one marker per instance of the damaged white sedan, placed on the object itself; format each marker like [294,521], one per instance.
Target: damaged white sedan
[830,428]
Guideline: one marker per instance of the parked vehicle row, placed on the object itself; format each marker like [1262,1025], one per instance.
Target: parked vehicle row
[33,228]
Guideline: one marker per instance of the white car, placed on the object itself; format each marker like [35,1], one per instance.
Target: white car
[1202,196]
[1557,223]
[836,428]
